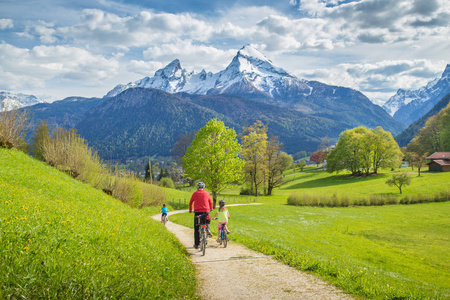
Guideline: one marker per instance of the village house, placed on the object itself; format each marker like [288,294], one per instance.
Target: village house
[440,162]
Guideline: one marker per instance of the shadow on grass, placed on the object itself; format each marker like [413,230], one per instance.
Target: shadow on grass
[334,180]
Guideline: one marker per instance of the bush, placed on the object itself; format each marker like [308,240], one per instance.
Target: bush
[13,125]
[374,200]
[167,182]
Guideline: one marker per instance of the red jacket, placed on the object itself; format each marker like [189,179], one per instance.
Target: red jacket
[202,201]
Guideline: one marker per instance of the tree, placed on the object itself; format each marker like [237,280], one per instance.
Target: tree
[149,172]
[300,155]
[254,141]
[213,157]
[419,160]
[181,146]
[301,164]
[277,163]
[399,180]
[318,157]
[385,151]
[434,136]
[41,135]
[13,126]
[361,150]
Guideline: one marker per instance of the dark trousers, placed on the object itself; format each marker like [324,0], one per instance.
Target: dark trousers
[197,222]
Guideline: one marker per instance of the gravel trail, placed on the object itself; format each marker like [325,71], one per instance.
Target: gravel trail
[237,272]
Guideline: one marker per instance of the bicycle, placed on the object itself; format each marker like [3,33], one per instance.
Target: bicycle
[165,220]
[223,236]
[201,219]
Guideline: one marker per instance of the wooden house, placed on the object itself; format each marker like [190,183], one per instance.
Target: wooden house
[440,162]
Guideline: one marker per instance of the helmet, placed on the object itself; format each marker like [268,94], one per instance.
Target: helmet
[222,202]
[200,185]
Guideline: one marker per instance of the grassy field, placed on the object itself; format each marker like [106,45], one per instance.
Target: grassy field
[376,252]
[61,239]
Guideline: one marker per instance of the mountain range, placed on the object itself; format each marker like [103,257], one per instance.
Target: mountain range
[12,100]
[408,106]
[146,117]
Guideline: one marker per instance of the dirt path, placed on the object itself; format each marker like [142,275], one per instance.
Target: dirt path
[236,272]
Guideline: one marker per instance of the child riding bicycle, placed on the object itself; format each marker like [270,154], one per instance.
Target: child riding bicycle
[222,215]
[164,211]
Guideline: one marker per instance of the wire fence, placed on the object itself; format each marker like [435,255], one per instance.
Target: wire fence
[184,203]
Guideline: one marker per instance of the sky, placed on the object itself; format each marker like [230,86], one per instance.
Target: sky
[55,49]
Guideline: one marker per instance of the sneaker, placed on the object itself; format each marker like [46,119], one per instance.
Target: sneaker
[218,240]
[196,246]
[209,234]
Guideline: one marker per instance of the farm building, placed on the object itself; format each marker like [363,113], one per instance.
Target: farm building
[440,162]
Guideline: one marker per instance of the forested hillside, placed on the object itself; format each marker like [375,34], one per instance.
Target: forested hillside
[408,134]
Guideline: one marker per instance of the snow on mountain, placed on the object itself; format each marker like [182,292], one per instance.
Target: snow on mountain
[249,72]
[408,106]
[11,100]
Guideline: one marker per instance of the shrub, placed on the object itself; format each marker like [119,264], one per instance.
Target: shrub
[153,195]
[13,125]
[167,182]
[344,201]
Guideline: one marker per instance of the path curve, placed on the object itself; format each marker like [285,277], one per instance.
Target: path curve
[237,272]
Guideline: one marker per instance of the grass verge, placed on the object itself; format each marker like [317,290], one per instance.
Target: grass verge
[61,239]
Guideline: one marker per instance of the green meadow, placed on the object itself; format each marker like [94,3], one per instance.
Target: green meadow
[374,252]
[61,239]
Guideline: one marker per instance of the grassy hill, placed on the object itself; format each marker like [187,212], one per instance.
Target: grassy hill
[61,239]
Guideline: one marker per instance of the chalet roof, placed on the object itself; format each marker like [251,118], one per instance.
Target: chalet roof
[440,155]
[440,162]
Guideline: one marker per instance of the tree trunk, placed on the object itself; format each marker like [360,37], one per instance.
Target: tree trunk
[214,199]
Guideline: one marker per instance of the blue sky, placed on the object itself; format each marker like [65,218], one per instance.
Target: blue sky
[54,49]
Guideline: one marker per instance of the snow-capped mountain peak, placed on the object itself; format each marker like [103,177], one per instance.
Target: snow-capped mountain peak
[11,100]
[171,71]
[250,60]
[409,105]
[249,69]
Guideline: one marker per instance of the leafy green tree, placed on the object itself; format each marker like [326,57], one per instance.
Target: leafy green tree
[300,155]
[399,180]
[254,142]
[301,164]
[360,150]
[385,150]
[435,136]
[213,157]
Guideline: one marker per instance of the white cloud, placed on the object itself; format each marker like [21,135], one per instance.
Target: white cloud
[6,23]
[379,80]
[145,68]
[23,68]
[192,56]
[106,29]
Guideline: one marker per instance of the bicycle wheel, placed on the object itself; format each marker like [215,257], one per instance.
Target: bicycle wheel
[165,220]
[224,238]
[204,243]
[201,239]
